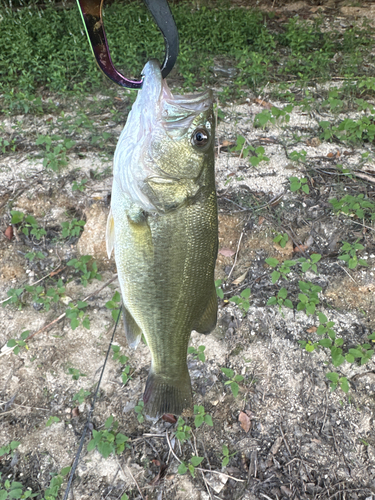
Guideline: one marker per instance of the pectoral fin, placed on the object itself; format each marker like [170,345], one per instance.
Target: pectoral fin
[207,321]
[110,234]
[132,330]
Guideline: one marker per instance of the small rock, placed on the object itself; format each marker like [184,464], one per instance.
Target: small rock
[92,241]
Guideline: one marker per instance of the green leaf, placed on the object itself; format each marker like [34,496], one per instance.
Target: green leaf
[228,372]
[108,422]
[16,216]
[357,353]
[288,303]
[275,276]
[198,420]
[282,293]
[325,342]
[271,301]
[65,471]
[246,293]
[196,460]
[208,420]
[225,450]
[272,262]
[322,317]
[234,388]
[225,461]
[344,384]
[333,377]
[182,469]
[124,497]
[11,343]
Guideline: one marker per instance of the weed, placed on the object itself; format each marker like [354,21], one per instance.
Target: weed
[55,157]
[14,295]
[72,228]
[300,157]
[6,146]
[114,305]
[52,491]
[183,431]
[9,448]
[297,184]
[46,298]
[281,239]
[336,380]
[32,255]
[109,440]
[29,224]
[349,254]
[226,456]
[354,205]
[201,416]
[18,344]
[280,299]
[77,316]
[233,379]
[75,373]
[81,186]
[308,299]
[52,420]
[14,489]
[139,411]
[242,300]
[81,396]
[283,269]
[257,154]
[80,265]
[198,353]
[219,290]
[117,356]
[193,462]
[310,263]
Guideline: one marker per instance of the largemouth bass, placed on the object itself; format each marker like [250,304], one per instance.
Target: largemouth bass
[164,230]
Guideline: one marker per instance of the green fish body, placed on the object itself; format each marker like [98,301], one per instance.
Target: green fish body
[164,230]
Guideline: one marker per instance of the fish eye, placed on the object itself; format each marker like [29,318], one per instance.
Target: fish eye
[200,137]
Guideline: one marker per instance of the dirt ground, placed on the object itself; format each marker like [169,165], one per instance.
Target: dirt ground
[303,441]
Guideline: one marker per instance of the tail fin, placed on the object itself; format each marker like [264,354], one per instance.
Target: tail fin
[167,395]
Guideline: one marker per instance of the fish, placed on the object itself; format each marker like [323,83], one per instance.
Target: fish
[163,228]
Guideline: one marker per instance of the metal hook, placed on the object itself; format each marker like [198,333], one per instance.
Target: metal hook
[91,12]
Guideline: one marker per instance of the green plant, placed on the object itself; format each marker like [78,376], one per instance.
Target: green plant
[349,254]
[233,380]
[114,305]
[281,239]
[81,395]
[9,448]
[242,300]
[14,295]
[6,146]
[310,263]
[198,353]
[219,291]
[14,489]
[108,440]
[139,411]
[190,466]
[201,416]
[18,344]
[32,255]
[296,184]
[46,298]
[81,186]
[55,152]
[52,420]
[226,456]
[51,493]
[72,228]
[80,265]
[77,315]
[75,373]
[29,226]
[280,299]
[183,431]
[336,380]
[308,299]
[257,153]
[298,157]
[283,268]
[117,356]
[358,205]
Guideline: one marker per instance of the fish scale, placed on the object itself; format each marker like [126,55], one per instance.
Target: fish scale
[163,228]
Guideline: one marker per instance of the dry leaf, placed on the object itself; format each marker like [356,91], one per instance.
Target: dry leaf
[53,273]
[330,155]
[227,143]
[227,252]
[276,445]
[313,329]
[75,412]
[301,248]
[244,421]
[265,104]
[240,279]
[168,417]
[261,220]
[9,232]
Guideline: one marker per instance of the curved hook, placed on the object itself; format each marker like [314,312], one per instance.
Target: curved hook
[91,13]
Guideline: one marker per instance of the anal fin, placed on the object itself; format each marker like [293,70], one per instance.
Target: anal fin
[132,331]
[110,234]
[207,321]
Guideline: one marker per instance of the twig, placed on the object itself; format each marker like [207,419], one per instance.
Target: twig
[265,496]
[134,479]
[222,474]
[351,277]
[285,441]
[10,349]
[171,449]
[235,259]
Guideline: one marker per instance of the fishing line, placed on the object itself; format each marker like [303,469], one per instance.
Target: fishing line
[75,463]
